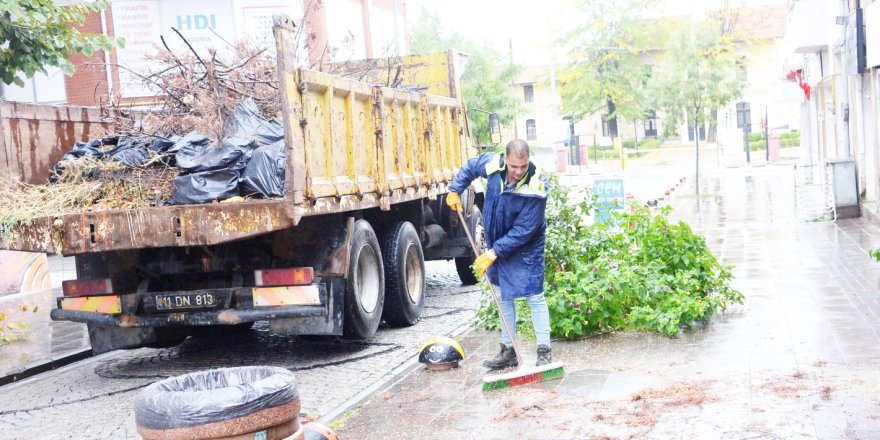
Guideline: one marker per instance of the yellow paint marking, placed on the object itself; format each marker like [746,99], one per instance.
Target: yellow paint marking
[100,304]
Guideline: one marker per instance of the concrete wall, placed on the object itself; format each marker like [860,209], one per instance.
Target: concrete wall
[33,137]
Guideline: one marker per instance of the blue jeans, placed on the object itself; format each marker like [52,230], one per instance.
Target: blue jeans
[540,319]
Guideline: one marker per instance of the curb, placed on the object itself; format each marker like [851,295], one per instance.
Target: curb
[42,367]
[396,375]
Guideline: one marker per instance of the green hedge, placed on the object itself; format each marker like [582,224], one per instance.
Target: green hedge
[644,144]
[650,144]
[790,139]
[786,140]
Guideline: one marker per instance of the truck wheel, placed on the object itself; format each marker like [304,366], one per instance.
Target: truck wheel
[404,275]
[365,284]
[463,264]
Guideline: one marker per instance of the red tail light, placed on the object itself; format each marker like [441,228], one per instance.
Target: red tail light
[87,287]
[296,276]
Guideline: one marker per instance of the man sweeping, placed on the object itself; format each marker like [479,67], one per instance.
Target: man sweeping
[513,217]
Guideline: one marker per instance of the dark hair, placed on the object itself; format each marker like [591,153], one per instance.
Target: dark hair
[518,148]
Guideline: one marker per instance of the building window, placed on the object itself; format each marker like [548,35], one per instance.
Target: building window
[531,130]
[529,94]
[609,126]
[651,123]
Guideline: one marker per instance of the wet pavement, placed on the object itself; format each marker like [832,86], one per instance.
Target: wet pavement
[94,398]
[43,345]
[798,360]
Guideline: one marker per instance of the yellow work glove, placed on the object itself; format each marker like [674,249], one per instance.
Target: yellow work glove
[454,202]
[484,261]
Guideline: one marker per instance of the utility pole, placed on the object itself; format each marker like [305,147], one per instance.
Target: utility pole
[696,113]
[845,61]
[515,101]
[766,135]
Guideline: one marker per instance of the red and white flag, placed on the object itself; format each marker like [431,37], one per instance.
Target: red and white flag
[795,75]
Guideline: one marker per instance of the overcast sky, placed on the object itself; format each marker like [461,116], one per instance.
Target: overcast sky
[530,24]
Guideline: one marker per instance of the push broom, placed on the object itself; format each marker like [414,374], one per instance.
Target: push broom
[523,375]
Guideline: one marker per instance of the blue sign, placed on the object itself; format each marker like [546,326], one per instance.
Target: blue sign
[609,196]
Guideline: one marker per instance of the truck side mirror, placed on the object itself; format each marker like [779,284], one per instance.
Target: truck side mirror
[494,128]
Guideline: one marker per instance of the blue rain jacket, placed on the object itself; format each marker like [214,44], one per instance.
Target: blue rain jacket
[514,223]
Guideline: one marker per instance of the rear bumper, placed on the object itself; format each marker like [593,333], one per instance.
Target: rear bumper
[235,306]
[204,317]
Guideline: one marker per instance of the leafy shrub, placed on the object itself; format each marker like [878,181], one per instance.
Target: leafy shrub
[638,272]
[13,331]
[756,145]
[759,136]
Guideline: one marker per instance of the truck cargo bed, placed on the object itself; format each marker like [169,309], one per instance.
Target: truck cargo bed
[350,146]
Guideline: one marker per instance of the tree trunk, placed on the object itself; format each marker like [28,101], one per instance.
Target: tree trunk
[697,140]
[612,122]
[712,133]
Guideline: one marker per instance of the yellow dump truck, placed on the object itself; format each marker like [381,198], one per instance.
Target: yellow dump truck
[367,168]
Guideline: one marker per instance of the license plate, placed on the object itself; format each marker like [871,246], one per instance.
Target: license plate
[187,301]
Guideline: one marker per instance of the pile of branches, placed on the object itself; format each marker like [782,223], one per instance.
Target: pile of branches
[199,91]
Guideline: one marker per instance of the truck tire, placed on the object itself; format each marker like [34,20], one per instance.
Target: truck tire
[404,275]
[364,285]
[463,264]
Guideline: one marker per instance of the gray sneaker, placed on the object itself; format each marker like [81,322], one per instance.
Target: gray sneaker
[506,358]
[544,356]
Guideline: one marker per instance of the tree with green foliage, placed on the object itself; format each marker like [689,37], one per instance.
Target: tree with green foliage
[39,33]
[697,76]
[486,80]
[608,66]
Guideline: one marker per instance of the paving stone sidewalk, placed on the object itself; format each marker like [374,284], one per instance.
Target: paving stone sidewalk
[798,360]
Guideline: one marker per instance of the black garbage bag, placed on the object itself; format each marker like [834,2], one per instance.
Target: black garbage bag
[264,173]
[133,157]
[205,186]
[98,149]
[211,396]
[196,152]
[162,145]
[248,127]
[190,139]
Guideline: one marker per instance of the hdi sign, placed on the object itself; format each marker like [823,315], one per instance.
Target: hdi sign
[196,22]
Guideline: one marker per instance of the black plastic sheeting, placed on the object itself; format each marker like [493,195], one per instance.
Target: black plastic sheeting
[196,152]
[264,173]
[213,396]
[205,186]
[249,160]
[248,127]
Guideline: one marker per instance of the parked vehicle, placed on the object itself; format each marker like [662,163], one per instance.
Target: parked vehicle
[367,169]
